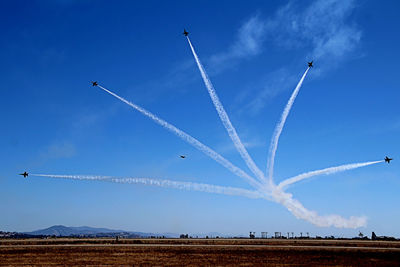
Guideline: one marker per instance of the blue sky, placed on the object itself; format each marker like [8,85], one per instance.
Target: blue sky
[255,52]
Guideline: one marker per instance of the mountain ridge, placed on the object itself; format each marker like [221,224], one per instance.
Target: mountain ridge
[61,230]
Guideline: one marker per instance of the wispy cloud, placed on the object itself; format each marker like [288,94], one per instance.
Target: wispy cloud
[267,87]
[324,28]
[248,43]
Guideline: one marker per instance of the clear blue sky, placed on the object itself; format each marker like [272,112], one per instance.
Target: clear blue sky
[54,122]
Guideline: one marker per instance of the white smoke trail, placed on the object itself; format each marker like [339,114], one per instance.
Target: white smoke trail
[225,119]
[325,171]
[279,127]
[190,186]
[300,212]
[77,177]
[293,205]
[191,140]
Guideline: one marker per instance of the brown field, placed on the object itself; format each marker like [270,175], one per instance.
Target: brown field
[198,252]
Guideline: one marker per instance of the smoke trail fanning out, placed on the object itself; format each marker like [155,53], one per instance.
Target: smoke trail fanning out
[300,212]
[225,119]
[264,190]
[191,140]
[163,183]
[279,127]
[326,171]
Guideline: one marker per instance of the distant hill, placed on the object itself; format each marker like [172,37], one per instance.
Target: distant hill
[61,230]
[87,231]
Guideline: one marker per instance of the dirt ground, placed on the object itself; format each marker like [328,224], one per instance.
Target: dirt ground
[198,252]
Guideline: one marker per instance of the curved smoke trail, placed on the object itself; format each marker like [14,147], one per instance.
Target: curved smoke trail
[190,186]
[279,127]
[325,171]
[300,212]
[191,140]
[225,118]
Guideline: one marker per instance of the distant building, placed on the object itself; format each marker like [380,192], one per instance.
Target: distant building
[264,234]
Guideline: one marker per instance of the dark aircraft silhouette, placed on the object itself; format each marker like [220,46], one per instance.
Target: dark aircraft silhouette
[25,174]
[388,159]
[182,156]
[94,83]
[310,64]
[185,32]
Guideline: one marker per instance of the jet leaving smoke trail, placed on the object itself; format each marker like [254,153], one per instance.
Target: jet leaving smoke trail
[225,119]
[279,127]
[191,140]
[325,171]
[164,183]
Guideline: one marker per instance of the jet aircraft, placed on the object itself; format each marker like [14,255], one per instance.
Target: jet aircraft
[185,32]
[25,174]
[387,159]
[310,64]
[94,83]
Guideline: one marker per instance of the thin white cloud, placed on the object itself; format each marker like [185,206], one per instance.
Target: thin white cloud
[267,87]
[324,28]
[248,43]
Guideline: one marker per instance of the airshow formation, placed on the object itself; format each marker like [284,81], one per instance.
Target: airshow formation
[262,182]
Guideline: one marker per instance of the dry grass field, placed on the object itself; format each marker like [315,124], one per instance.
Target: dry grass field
[198,252]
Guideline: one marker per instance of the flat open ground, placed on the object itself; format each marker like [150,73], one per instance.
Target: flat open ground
[195,252]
